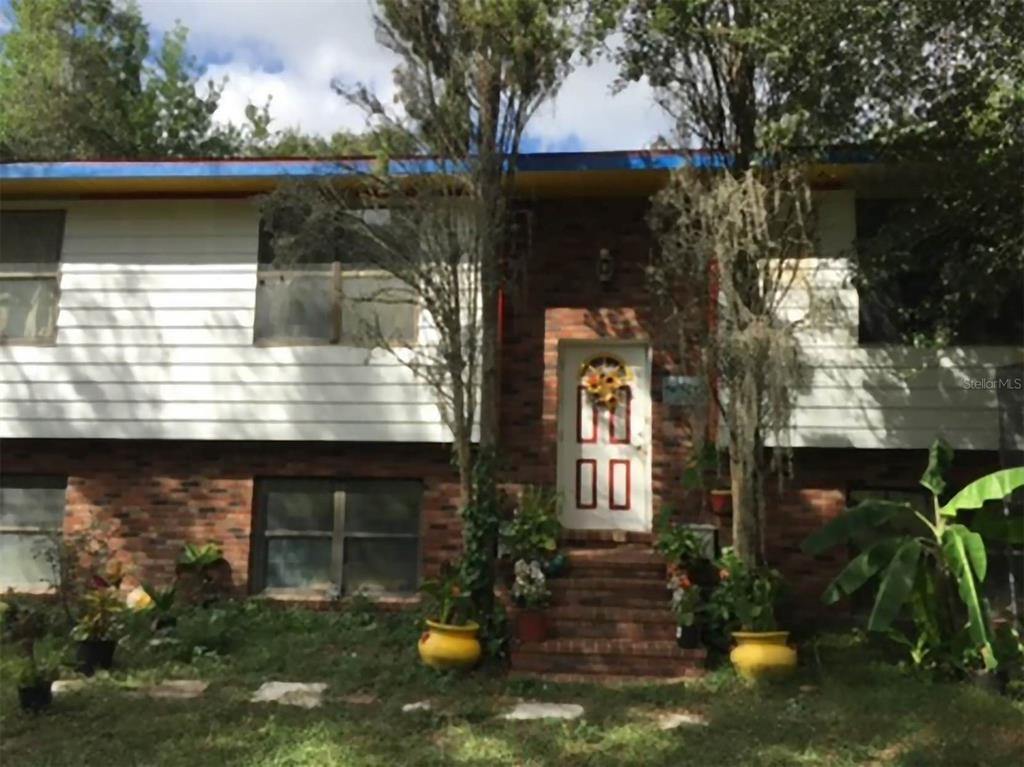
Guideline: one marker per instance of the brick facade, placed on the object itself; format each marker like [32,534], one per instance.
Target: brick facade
[155,496]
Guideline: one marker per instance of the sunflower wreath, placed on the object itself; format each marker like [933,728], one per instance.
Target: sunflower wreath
[604,377]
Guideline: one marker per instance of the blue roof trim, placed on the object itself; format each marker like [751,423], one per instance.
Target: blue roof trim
[256,168]
[570,161]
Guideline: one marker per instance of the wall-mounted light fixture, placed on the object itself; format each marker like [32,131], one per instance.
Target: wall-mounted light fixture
[605,266]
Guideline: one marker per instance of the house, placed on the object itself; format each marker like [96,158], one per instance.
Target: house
[145,384]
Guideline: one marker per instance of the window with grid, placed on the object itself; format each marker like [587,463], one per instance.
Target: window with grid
[344,537]
[31,516]
[319,299]
[30,245]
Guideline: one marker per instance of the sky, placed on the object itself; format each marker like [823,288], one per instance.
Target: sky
[291,49]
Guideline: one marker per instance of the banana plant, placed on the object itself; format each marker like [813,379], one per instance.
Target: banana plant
[925,566]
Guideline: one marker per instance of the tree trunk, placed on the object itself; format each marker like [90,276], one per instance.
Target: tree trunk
[745,471]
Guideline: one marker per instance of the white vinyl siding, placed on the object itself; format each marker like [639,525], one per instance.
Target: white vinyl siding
[883,396]
[155,341]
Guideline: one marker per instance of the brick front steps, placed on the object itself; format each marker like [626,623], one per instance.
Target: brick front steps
[609,618]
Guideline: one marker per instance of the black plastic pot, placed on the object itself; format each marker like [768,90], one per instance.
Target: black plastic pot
[35,699]
[994,682]
[95,653]
[688,637]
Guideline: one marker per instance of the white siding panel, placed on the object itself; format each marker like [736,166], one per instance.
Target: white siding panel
[882,396]
[155,341]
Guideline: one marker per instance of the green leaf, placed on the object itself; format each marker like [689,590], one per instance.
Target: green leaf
[897,585]
[991,487]
[975,548]
[955,549]
[866,515]
[940,458]
[860,570]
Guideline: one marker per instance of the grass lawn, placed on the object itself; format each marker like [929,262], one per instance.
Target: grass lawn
[859,712]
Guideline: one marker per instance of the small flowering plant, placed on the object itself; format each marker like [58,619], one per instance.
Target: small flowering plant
[687,601]
[445,599]
[530,588]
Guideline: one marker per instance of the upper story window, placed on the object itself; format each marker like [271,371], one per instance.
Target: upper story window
[30,245]
[317,297]
[31,515]
[910,272]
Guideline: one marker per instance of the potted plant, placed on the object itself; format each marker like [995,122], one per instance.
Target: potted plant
[743,603]
[450,640]
[720,500]
[532,532]
[685,550]
[687,604]
[161,606]
[98,630]
[35,674]
[531,595]
[203,575]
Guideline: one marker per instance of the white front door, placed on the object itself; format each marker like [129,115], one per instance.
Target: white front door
[604,448]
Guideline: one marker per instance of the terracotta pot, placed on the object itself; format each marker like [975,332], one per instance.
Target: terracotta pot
[721,502]
[531,626]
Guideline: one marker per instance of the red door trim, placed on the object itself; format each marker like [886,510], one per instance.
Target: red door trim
[593,483]
[611,485]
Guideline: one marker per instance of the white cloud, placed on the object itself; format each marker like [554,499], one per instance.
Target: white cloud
[292,49]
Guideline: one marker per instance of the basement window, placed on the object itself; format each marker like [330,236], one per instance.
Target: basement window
[317,299]
[328,537]
[31,520]
[30,246]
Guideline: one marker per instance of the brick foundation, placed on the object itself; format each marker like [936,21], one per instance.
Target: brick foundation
[155,496]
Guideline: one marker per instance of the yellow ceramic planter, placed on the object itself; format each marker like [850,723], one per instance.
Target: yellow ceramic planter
[762,655]
[450,647]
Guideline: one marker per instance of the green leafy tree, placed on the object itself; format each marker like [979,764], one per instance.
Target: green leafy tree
[785,80]
[471,75]
[78,80]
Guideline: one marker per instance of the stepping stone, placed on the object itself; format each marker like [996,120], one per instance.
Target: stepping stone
[359,699]
[533,710]
[291,694]
[674,719]
[177,689]
[421,705]
[64,686]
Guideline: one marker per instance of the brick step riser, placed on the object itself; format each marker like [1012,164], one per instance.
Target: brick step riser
[598,599]
[654,572]
[654,590]
[627,665]
[610,614]
[607,630]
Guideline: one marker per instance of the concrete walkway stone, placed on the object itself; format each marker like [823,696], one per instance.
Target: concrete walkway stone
[674,719]
[420,705]
[291,694]
[64,686]
[533,710]
[176,689]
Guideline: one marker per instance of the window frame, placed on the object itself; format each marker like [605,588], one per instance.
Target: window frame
[336,274]
[39,482]
[338,536]
[53,274]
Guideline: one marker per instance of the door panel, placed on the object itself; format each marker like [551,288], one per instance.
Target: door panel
[603,450]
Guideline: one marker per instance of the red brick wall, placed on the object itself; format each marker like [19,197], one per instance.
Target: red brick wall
[154,496]
[561,297]
[818,491]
